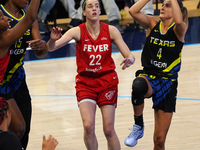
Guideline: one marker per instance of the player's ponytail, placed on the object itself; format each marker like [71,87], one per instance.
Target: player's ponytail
[184,11]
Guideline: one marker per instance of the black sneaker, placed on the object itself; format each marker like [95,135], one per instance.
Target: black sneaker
[74,23]
[116,24]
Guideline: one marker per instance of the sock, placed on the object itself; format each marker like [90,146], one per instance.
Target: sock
[139,120]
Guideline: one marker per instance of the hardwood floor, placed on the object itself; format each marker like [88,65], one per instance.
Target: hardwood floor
[55,111]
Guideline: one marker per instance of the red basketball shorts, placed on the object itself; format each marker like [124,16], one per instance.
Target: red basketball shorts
[103,90]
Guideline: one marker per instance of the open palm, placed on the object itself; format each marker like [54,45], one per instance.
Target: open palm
[56,33]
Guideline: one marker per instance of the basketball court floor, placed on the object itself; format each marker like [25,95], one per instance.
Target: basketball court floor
[51,82]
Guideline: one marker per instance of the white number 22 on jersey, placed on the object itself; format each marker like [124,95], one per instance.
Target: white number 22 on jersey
[92,62]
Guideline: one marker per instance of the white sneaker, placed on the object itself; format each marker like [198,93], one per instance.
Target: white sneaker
[133,137]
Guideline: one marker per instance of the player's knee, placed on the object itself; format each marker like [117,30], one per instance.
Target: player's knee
[159,141]
[89,129]
[139,89]
[109,131]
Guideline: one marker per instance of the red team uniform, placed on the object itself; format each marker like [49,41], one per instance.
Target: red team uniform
[96,79]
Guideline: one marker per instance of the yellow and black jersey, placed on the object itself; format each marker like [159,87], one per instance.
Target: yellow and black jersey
[161,55]
[17,50]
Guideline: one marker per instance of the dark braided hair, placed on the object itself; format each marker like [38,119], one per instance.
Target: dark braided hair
[4,107]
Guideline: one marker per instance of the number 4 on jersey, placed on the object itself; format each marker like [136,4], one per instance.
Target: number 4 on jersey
[159,54]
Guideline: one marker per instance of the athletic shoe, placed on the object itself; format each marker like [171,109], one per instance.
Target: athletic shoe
[133,137]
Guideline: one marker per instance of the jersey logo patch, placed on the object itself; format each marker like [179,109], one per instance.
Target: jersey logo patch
[156,30]
[103,38]
[115,77]
[110,94]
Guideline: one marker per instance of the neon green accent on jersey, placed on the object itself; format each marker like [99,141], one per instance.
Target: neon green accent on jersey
[175,63]
[167,28]
[12,15]
[12,71]
[154,77]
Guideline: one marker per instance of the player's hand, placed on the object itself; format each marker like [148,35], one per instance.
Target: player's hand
[50,143]
[37,44]
[127,62]
[56,33]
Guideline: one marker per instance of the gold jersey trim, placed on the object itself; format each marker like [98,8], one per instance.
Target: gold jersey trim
[12,71]
[12,15]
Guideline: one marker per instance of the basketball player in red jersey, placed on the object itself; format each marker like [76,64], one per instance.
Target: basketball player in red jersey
[97,81]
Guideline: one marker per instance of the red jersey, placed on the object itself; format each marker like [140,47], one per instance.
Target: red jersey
[3,64]
[93,57]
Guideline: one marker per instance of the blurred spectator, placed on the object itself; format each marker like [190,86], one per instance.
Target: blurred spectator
[147,9]
[47,5]
[111,10]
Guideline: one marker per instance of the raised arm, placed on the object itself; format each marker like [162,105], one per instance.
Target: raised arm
[57,40]
[178,11]
[144,20]
[10,36]
[123,48]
